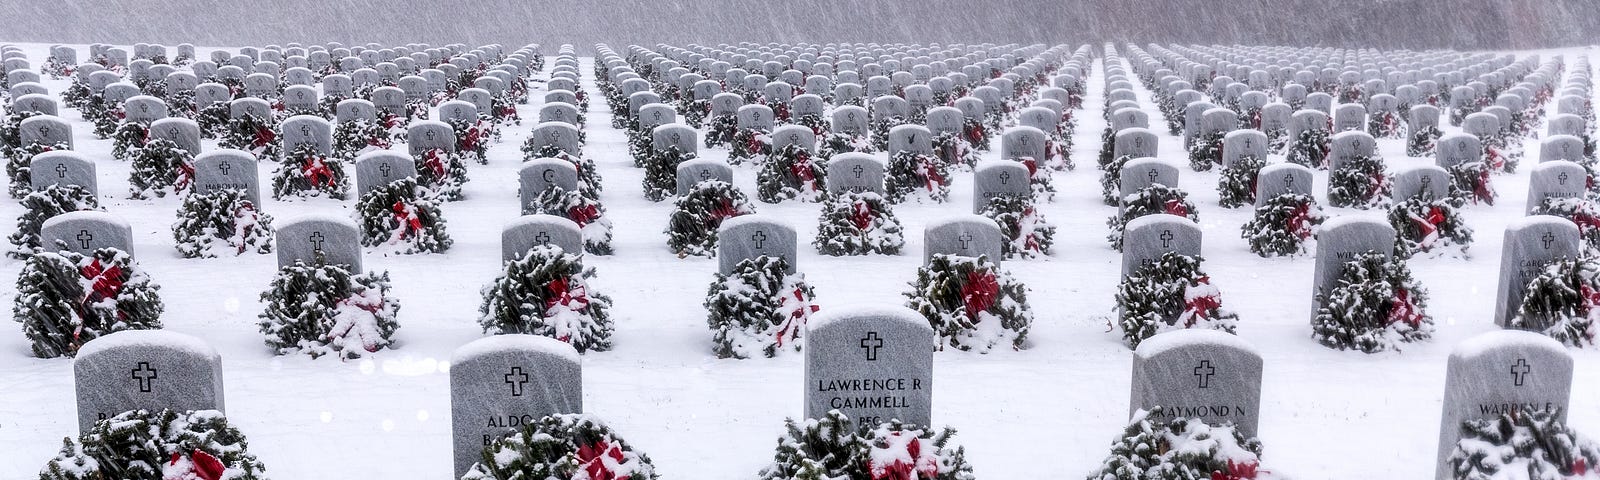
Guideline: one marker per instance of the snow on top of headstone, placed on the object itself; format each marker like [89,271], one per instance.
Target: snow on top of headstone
[745,219]
[986,165]
[162,338]
[1538,167]
[1398,171]
[1242,133]
[879,310]
[1532,220]
[1451,135]
[960,218]
[1162,342]
[436,123]
[851,156]
[500,343]
[1158,217]
[1349,218]
[1479,344]
[87,215]
[324,217]
[1135,130]
[541,218]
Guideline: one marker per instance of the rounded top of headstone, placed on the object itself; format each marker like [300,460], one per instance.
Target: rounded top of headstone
[1532,220]
[500,343]
[1482,343]
[740,220]
[1164,342]
[1346,219]
[850,156]
[1538,167]
[849,311]
[160,338]
[95,215]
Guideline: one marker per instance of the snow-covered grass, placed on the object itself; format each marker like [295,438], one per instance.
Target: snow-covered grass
[1325,414]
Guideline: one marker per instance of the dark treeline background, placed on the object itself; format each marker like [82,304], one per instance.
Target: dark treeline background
[1415,24]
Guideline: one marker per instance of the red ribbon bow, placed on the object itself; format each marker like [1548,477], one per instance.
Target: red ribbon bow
[930,175]
[802,167]
[431,160]
[593,458]
[1176,207]
[105,281]
[861,215]
[1299,221]
[204,465]
[264,137]
[1402,308]
[979,293]
[406,215]
[1482,190]
[316,169]
[1196,308]
[583,214]
[798,314]
[1237,471]
[900,469]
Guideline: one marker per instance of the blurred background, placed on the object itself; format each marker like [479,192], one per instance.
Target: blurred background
[1415,24]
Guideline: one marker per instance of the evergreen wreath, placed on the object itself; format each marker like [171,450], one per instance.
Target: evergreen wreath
[305,172]
[20,167]
[1563,302]
[1172,448]
[692,228]
[588,213]
[129,136]
[1310,149]
[1523,444]
[952,148]
[791,173]
[1237,187]
[442,172]
[472,138]
[661,172]
[1469,183]
[322,309]
[1206,152]
[1150,200]
[1422,141]
[142,444]
[158,168]
[104,115]
[1359,183]
[1108,147]
[1282,224]
[858,224]
[562,447]
[544,293]
[253,134]
[756,309]
[1423,224]
[917,176]
[213,121]
[749,144]
[1170,293]
[1375,305]
[221,222]
[352,138]
[976,134]
[832,144]
[1043,185]
[879,131]
[721,131]
[1027,232]
[11,132]
[1385,125]
[834,447]
[405,215]
[1111,179]
[971,304]
[43,205]
[65,299]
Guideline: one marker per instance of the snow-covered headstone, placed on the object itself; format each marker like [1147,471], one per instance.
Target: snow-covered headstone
[528,231]
[1497,373]
[999,178]
[1530,244]
[382,167]
[1282,178]
[85,231]
[145,370]
[752,236]
[503,383]
[964,235]
[1203,374]
[856,173]
[871,363]
[1428,181]
[692,172]
[63,167]
[325,239]
[1556,179]
[1339,241]
[228,168]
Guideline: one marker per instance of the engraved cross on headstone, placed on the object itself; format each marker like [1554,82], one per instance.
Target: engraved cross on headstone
[1153,174]
[1548,239]
[1005,177]
[146,376]
[872,343]
[965,239]
[516,379]
[84,237]
[224,167]
[543,238]
[61,170]
[1520,371]
[1562,177]
[316,241]
[705,174]
[1204,371]
[759,237]
[1166,238]
[385,168]
[858,170]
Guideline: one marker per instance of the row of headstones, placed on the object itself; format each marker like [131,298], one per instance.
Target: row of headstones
[871,363]
[896,68]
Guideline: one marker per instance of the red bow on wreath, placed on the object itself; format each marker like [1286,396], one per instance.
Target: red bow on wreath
[593,458]
[802,167]
[752,143]
[203,465]
[722,211]
[316,170]
[1378,181]
[1429,226]
[1403,308]
[900,468]
[1495,160]
[245,228]
[1237,471]
[1031,242]
[264,137]
[104,281]
[975,133]
[583,214]
[406,216]
[1300,221]
[798,314]
[566,293]
[1032,164]
[930,176]
[1176,207]
[979,293]
[1199,299]
[469,141]
[1482,190]
[861,215]
[431,160]
[185,175]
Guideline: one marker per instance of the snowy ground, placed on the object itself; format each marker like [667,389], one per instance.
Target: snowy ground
[1049,411]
